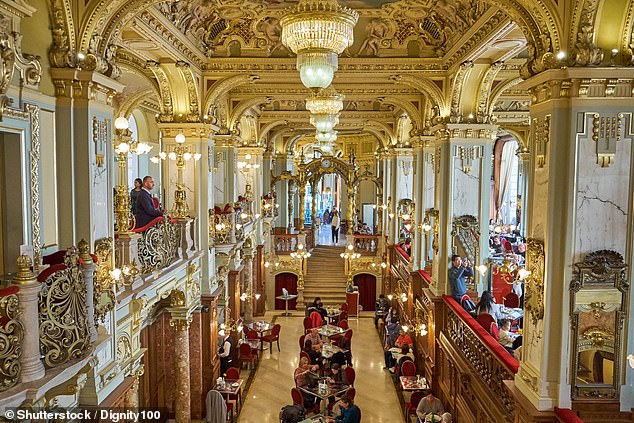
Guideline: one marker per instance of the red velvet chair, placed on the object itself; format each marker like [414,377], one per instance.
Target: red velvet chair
[408,368]
[253,336]
[343,324]
[296,395]
[351,393]
[233,373]
[316,319]
[351,375]
[512,300]
[344,307]
[343,316]
[301,342]
[494,331]
[410,407]
[308,324]
[273,337]
[245,354]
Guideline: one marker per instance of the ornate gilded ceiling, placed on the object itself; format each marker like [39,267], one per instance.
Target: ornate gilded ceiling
[404,28]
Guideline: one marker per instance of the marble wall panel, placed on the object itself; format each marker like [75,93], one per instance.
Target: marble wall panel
[429,185]
[539,212]
[602,198]
[219,184]
[101,200]
[466,189]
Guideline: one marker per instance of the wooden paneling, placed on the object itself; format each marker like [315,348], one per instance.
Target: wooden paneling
[260,282]
[233,300]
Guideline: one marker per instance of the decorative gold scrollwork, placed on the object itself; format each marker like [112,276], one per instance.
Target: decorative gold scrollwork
[63,315]
[534,284]
[158,246]
[11,336]
[104,292]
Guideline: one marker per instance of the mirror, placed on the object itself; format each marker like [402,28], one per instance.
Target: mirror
[465,240]
[598,310]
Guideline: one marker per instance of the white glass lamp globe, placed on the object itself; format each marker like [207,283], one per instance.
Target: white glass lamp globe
[316,75]
[180,138]
[121,123]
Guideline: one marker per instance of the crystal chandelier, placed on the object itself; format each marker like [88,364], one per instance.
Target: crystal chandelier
[318,31]
[324,107]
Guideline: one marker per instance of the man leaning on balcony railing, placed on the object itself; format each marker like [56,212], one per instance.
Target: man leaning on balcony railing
[145,211]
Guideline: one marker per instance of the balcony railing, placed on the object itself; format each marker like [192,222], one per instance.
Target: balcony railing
[158,245]
[366,244]
[11,337]
[491,364]
[269,206]
[63,312]
[285,243]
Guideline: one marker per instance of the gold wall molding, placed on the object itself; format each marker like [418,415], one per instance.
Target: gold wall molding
[606,133]
[11,338]
[485,95]
[167,108]
[534,284]
[455,113]
[541,137]
[34,178]
[192,90]
[104,285]
[585,52]
[467,154]
[124,349]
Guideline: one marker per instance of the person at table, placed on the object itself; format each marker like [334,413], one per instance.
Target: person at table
[403,339]
[305,374]
[406,354]
[314,352]
[145,211]
[429,404]
[458,274]
[314,338]
[446,418]
[225,351]
[487,305]
[344,344]
[381,308]
[337,376]
[350,413]
[496,244]
[509,340]
[318,306]
[392,316]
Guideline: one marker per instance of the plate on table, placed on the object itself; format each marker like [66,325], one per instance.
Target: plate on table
[235,384]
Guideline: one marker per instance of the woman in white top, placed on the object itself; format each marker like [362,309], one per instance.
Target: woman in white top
[487,305]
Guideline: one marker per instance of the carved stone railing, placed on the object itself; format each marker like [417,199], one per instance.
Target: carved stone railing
[489,361]
[285,243]
[11,337]
[158,245]
[366,244]
[63,312]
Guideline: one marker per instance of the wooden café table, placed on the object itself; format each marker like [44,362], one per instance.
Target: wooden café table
[332,390]
[233,387]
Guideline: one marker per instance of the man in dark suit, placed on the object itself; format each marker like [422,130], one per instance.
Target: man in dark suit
[145,210]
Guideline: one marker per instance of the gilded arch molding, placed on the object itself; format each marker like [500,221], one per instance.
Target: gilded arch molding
[407,106]
[425,86]
[130,103]
[223,86]
[499,90]
[269,126]
[167,109]
[245,105]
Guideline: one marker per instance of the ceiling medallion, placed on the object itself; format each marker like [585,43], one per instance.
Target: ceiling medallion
[318,31]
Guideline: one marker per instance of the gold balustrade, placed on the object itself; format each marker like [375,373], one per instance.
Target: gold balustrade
[366,244]
[158,245]
[11,337]
[285,243]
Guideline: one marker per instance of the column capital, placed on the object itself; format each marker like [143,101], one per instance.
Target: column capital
[85,85]
[180,323]
[24,276]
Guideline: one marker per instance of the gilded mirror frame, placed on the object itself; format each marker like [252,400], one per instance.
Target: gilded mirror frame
[598,289]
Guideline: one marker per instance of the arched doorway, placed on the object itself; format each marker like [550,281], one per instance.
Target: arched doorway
[288,281]
[367,290]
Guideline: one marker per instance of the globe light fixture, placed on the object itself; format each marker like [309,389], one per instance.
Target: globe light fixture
[318,31]
[326,137]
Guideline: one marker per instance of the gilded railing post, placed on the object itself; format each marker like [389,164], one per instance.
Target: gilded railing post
[88,267]
[32,366]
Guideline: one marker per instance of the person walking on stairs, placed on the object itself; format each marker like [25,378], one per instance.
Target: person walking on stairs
[334,225]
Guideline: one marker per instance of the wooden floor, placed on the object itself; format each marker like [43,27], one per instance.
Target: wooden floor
[271,387]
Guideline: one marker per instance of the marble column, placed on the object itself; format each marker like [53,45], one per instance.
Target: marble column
[88,267]
[32,366]
[417,258]
[182,398]
[248,285]
[462,166]
[524,157]
[225,183]
[580,197]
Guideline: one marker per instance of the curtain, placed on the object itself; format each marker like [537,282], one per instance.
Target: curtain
[506,168]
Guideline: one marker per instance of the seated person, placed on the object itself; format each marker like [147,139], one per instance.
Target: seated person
[405,355]
[318,306]
[392,316]
[403,339]
[446,418]
[391,334]
[305,374]
[487,305]
[314,352]
[496,244]
[337,375]
[381,307]
[344,344]
[314,338]
[407,246]
[429,404]
[350,413]
[506,338]
[365,229]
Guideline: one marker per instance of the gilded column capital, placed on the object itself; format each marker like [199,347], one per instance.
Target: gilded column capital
[180,323]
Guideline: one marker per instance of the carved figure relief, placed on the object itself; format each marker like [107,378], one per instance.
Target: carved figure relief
[375,32]
[272,30]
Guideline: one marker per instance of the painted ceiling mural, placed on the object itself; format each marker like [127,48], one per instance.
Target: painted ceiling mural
[251,28]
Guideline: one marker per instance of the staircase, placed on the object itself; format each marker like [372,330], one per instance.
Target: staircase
[325,277]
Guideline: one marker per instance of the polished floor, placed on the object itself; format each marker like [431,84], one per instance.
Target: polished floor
[324,236]
[271,387]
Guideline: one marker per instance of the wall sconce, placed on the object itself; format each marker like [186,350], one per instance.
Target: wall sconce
[630,359]
[508,267]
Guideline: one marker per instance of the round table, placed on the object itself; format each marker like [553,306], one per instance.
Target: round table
[286,298]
